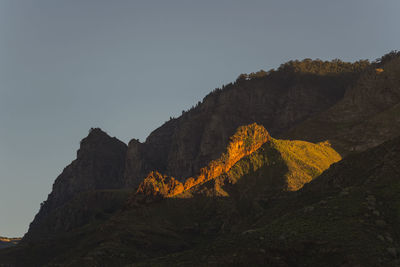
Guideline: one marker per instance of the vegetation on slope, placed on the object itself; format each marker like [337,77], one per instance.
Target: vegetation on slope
[245,141]
[348,216]
[279,165]
[249,149]
[254,168]
[365,117]
[278,100]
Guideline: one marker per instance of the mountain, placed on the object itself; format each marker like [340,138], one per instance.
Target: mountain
[181,147]
[250,149]
[290,167]
[348,216]
[277,100]
[164,215]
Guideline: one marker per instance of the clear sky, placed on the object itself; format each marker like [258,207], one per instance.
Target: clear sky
[127,66]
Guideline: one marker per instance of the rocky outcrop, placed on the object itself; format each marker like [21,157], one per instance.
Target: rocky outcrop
[301,162]
[278,166]
[245,141]
[158,185]
[277,100]
[99,165]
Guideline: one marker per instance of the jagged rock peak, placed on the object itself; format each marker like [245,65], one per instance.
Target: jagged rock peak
[134,142]
[245,141]
[95,134]
[165,185]
[99,165]
[98,139]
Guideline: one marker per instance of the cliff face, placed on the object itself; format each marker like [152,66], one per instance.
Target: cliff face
[99,165]
[278,101]
[366,116]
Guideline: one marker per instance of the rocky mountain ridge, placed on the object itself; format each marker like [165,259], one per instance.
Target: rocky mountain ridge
[327,222]
[348,216]
[222,198]
[246,141]
[180,148]
[278,100]
[209,181]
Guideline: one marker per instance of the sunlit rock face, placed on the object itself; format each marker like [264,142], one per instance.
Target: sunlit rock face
[245,141]
[298,162]
[156,184]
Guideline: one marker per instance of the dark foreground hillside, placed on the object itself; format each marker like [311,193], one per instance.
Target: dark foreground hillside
[115,227]
[348,216]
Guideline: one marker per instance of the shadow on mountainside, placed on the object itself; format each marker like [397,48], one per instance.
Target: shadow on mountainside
[347,216]
[114,233]
[114,227]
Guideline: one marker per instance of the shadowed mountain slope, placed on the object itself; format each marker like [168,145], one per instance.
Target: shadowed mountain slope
[97,228]
[99,165]
[348,216]
[277,100]
[246,152]
[367,115]
[183,146]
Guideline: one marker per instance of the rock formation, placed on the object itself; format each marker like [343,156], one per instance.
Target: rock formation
[99,165]
[277,100]
[245,141]
[303,160]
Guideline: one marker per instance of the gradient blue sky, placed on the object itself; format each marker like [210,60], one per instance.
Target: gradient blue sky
[127,66]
